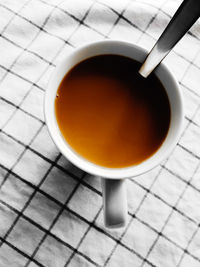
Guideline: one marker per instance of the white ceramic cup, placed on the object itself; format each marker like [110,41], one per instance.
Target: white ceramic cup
[113,179]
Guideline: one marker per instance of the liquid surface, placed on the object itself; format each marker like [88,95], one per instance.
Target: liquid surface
[111,115]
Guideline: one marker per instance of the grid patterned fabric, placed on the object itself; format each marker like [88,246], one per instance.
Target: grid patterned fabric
[50,211]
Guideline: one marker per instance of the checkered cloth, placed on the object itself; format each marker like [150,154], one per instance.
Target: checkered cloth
[50,211]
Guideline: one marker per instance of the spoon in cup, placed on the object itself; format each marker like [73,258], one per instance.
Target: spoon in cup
[183,19]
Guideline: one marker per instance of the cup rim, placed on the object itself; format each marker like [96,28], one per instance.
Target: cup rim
[75,158]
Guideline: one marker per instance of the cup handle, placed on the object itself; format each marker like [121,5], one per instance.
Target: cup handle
[114,202]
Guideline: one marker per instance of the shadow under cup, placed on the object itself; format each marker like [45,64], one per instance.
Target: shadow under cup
[114,193]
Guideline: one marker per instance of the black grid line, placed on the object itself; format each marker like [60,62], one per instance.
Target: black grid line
[164,201]
[21,252]
[118,18]
[26,50]
[189,151]
[166,238]
[55,219]
[152,19]
[189,65]
[21,77]
[81,21]
[189,89]
[192,237]
[81,240]
[32,195]
[32,139]
[187,246]
[48,160]
[14,15]
[45,231]
[191,122]
[180,178]
[21,109]
[175,209]
[120,15]
[6,177]
[169,16]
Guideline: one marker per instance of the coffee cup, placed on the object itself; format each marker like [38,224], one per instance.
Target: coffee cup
[113,179]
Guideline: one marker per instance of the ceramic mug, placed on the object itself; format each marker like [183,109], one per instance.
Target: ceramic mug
[113,179]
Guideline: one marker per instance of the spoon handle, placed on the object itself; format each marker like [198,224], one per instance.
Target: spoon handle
[183,19]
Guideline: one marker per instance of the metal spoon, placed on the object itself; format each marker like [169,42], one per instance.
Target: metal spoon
[183,19]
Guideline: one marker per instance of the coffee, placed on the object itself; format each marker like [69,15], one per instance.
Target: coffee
[109,114]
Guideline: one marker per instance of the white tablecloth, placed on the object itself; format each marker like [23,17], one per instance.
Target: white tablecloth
[50,211]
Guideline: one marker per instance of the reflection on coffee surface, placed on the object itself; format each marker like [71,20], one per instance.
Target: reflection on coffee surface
[109,114]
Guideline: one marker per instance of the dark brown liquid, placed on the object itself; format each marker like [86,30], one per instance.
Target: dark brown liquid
[111,115]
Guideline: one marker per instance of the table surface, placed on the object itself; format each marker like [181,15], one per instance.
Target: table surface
[50,211]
